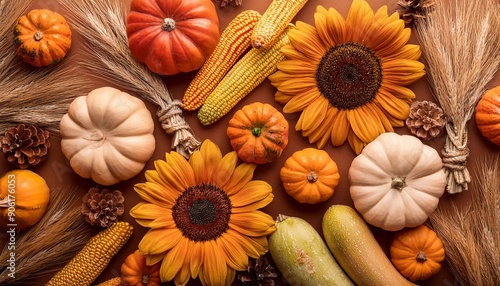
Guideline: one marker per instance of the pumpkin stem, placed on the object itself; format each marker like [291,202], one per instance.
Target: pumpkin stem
[256,131]
[145,279]
[168,24]
[312,177]
[398,183]
[281,217]
[421,257]
[38,36]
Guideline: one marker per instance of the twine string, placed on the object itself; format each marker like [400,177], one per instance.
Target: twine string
[171,120]
[455,154]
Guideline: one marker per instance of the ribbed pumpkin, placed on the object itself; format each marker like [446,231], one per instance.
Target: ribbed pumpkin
[42,37]
[310,176]
[258,132]
[173,36]
[25,194]
[488,115]
[135,271]
[417,252]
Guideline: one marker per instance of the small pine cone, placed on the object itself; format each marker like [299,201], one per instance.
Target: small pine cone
[102,207]
[413,10]
[259,272]
[25,145]
[426,119]
[224,3]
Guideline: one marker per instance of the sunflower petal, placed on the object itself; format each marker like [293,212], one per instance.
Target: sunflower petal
[340,127]
[402,71]
[196,258]
[254,224]
[157,194]
[314,114]
[153,259]
[398,91]
[177,174]
[236,257]
[174,260]
[365,123]
[322,133]
[305,39]
[243,174]
[297,67]
[253,191]
[225,169]
[253,246]
[147,213]
[355,143]
[330,25]
[301,100]
[409,52]
[359,19]
[154,242]
[214,269]
[396,107]
[210,158]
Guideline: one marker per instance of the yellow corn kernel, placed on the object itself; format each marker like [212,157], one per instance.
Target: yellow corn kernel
[249,72]
[84,268]
[117,281]
[234,41]
[274,21]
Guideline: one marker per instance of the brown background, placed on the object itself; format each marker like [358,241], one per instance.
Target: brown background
[57,171]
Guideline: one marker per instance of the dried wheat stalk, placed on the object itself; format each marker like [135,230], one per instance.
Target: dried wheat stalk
[105,53]
[471,235]
[459,41]
[49,244]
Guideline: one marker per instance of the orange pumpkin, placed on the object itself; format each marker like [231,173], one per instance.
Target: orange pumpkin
[417,252]
[258,132]
[24,196]
[172,36]
[488,115]
[135,271]
[42,37]
[310,176]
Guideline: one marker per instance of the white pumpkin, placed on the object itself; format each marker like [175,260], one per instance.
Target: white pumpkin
[396,181]
[107,135]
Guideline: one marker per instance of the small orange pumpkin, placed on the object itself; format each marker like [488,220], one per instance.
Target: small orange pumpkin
[310,176]
[172,36]
[24,196]
[42,37]
[488,115]
[135,271]
[417,252]
[258,132]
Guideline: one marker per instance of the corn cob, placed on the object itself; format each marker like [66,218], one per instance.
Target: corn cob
[84,268]
[274,21]
[234,41]
[250,71]
[117,281]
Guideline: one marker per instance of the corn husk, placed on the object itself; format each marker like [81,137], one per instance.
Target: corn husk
[460,44]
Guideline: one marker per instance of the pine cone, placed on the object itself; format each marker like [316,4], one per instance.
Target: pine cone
[426,119]
[25,145]
[413,10]
[260,273]
[102,207]
[224,3]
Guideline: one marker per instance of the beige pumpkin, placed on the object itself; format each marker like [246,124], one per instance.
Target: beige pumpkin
[107,135]
[396,181]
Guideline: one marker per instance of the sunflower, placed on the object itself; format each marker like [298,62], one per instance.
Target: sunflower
[204,217]
[347,77]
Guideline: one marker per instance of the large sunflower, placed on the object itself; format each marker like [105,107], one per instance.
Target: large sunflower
[204,217]
[347,76]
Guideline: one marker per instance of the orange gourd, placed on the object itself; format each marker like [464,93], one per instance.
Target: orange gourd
[310,176]
[172,36]
[42,37]
[258,133]
[24,196]
[135,271]
[488,115]
[417,252]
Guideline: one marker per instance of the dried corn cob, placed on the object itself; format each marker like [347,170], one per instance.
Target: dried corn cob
[250,71]
[84,268]
[274,21]
[117,281]
[234,41]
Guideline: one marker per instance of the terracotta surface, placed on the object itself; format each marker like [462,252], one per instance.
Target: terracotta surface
[57,171]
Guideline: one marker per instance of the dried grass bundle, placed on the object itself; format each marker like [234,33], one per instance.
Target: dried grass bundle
[106,55]
[459,41]
[471,235]
[52,242]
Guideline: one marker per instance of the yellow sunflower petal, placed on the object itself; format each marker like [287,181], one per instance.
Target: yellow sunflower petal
[231,274]
[386,123]
[305,39]
[355,143]
[153,259]
[322,133]
[396,107]
[253,191]
[388,37]
[408,51]
[402,71]
[206,161]
[157,194]
[236,257]
[155,242]
[225,169]
[359,19]
[299,85]
[314,114]
[214,269]
[282,98]
[164,221]
[365,123]
[253,247]
[297,67]
[255,205]
[177,174]
[292,54]
[301,100]
[340,127]
[146,213]
[381,14]
[174,260]
[398,91]
[153,176]
[255,223]
[330,25]
[242,174]
[196,258]
[182,277]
